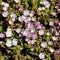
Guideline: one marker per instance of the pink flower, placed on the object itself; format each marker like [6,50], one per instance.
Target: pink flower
[29,35]
[2,35]
[53,29]
[56,21]
[53,13]
[58,10]
[30,26]
[58,50]
[21,8]
[25,19]
[34,36]
[39,25]
[50,42]
[59,24]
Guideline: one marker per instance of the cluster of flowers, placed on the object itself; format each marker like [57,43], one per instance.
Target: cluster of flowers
[33,31]
[45,3]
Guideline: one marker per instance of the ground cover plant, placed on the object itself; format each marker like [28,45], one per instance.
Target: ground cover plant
[29,29]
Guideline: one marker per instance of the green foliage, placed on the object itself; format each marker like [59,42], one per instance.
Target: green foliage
[1,29]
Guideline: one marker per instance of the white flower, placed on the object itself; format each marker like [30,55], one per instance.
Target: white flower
[48,33]
[32,49]
[25,33]
[3,2]
[42,8]
[26,12]
[13,15]
[51,23]
[29,42]
[41,2]
[46,3]
[18,30]
[5,13]
[41,55]
[33,18]
[17,1]
[31,14]
[20,35]
[8,32]
[41,32]
[33,30]
[29,18]
[39,8]
[23,17]
[5,8]
[51,50]
[20,19]
[44,44]
[13,19]
[2,35]
[14,42]
[8,43]
[6,5]
[10,22]
[56,33]
[32,41]
[26,39]
[54,38]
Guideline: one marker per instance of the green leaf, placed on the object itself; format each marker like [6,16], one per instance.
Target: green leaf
[1,29]
[47,39]
[52,9]
[45,22]
[11,4]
